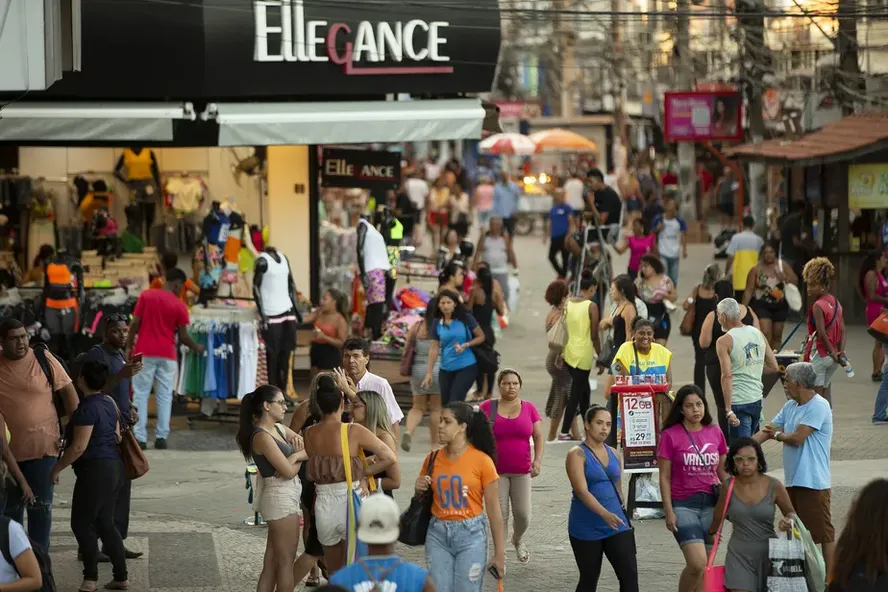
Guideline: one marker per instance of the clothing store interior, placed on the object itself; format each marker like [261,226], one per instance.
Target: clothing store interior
[86,229]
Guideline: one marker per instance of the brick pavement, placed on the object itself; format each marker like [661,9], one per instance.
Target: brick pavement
[197,487]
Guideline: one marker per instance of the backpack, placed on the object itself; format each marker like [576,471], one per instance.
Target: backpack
[42,353]
[43,559]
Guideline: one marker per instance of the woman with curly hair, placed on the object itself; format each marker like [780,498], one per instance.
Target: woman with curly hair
[556,295]
[862,550]
[825,348]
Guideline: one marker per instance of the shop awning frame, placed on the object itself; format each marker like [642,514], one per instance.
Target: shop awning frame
[88,122]
[351,122]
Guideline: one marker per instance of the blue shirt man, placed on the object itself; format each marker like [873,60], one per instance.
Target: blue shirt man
[505,199]
[381,569]
[559,220]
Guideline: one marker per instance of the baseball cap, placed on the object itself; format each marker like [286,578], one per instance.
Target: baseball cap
[379,522]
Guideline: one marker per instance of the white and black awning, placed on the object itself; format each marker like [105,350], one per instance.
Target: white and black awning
[352,122]
[92,122]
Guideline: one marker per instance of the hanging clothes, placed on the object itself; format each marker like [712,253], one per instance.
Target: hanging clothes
[233,244]
[139,166]
[185,194]
[229,368]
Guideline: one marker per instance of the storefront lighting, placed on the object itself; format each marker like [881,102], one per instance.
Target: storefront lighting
[530,180]
[544,178]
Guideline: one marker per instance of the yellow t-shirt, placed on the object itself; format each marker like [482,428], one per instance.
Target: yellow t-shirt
[744,247]
[578,351]
[655,362]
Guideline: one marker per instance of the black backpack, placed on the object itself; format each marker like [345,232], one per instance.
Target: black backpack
[42,353]
[43,559]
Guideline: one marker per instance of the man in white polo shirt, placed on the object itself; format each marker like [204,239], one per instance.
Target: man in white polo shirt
[355,357]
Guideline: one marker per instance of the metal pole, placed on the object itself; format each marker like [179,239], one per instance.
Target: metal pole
[686,154]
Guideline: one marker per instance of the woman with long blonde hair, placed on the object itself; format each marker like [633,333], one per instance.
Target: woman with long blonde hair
[370,411]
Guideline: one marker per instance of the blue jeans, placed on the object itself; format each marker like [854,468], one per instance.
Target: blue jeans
[37,473]
[749,415]
[671,264]
[455,384]
[880,413]
[164,371]
[694,515]
[456,553]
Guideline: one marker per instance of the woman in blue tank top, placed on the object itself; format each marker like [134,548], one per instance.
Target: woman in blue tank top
[597,524]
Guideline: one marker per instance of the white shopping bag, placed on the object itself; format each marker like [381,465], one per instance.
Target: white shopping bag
[786,556]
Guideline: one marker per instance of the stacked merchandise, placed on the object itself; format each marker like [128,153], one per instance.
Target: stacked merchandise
[132,269]
[229,368]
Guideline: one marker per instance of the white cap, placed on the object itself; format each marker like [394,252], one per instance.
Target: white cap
[379,522]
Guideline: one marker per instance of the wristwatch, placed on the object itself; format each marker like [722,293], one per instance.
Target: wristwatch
[777,435]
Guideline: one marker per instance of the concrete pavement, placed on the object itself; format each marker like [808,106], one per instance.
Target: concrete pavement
[188,511]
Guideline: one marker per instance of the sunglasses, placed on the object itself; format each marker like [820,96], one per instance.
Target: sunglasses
[117,318]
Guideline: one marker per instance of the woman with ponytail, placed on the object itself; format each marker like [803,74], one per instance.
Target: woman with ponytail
[326,468]
[278,453]
[464,481]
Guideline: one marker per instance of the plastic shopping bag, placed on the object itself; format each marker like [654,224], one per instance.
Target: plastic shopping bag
[647,490]
[815,568]
[787,565]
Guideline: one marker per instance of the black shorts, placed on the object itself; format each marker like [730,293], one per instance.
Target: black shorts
[312,543]
[775,311]
[663,328]
[727,209]
[325,356]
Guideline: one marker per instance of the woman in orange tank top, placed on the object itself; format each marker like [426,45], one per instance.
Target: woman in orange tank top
[330,331]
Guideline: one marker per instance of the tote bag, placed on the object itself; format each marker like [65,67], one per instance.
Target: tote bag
[354,549]
[714,575]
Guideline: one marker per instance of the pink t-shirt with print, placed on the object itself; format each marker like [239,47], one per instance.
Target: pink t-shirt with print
[692,472]
[513,438]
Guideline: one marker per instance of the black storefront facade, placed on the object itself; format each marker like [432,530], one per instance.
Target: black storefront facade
[287,74]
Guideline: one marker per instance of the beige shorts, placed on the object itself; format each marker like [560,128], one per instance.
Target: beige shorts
[279,498]
[331,513]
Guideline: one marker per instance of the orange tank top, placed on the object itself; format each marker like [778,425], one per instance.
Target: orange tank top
[327,329]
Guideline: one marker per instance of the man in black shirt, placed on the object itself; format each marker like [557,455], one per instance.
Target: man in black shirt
[606,202]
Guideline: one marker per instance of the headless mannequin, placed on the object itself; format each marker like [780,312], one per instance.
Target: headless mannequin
[275,293]
[144,186]
[374,266]
[62,295]
[215,233]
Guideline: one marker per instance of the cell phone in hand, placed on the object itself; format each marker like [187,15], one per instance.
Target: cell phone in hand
[137,359]
[494,572]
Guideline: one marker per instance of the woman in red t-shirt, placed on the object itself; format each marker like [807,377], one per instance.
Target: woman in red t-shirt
[825,348]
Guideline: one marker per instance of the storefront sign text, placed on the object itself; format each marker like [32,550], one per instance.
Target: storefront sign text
[364,169]
[868,186]
[296,39]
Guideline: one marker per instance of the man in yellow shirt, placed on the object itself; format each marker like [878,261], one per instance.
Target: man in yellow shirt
[743,255]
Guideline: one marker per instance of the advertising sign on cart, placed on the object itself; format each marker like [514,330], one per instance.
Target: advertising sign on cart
[639,413]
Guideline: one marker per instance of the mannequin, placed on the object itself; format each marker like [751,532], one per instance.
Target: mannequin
[373,263]
[232,248]
[62,295]
[208,257]
[275,293]
[137,169]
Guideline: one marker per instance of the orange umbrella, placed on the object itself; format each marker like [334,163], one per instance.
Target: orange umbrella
[562,140]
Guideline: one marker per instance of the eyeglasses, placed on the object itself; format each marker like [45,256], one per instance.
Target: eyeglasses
[281,402]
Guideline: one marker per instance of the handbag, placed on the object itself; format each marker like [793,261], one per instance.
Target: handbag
[786,558]
[415,520]
[714,575]
[557,333]
[815,568]
[408,357]
[353,548]
[135,464]
[614,485]
[487,358]
[879,328]
[716,487]
[792,293]
[687,322]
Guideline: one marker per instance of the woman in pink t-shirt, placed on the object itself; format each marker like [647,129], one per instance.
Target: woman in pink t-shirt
[639,243]
[515,422]
[691,456]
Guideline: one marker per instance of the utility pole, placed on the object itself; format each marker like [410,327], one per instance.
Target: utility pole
[619,88]
[566,44]
[756,63]
[849,81]
[687,174]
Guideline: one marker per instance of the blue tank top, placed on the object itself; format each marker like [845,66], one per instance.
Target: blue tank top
[391,572]
[583,523]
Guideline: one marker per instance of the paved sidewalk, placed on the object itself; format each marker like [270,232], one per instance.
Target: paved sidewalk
[188,511]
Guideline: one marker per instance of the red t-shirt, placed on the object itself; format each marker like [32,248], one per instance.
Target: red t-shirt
[705,180]
[160,315]
[831,309]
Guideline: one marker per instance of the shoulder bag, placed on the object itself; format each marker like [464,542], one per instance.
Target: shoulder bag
[135,464]
[415,521]
[613,484]
[716,487]
[714,575]
[353,548]
[487,358]
[557,333]
[408,357]
[687,322]
[790,291]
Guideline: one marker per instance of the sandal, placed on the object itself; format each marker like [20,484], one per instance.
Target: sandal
[117,585]
[312,581]
[88,586]
[522,552]
[406,441]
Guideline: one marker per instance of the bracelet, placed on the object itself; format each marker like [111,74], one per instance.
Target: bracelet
[729,413]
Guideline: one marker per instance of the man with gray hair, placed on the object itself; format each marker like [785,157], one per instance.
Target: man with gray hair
[805,427]
[743,355]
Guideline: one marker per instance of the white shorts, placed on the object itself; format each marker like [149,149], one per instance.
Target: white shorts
[278,498]
[331,513]
[825,367]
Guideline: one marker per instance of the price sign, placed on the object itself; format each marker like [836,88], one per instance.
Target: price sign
[639,416]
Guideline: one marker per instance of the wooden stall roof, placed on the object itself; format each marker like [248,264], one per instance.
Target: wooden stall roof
[846,139]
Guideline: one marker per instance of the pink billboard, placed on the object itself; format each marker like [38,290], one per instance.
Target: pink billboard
[699,116]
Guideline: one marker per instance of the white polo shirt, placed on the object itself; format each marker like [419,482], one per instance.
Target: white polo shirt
[378,384]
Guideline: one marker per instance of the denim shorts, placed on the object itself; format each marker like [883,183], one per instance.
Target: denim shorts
[694,516]
[456,553]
